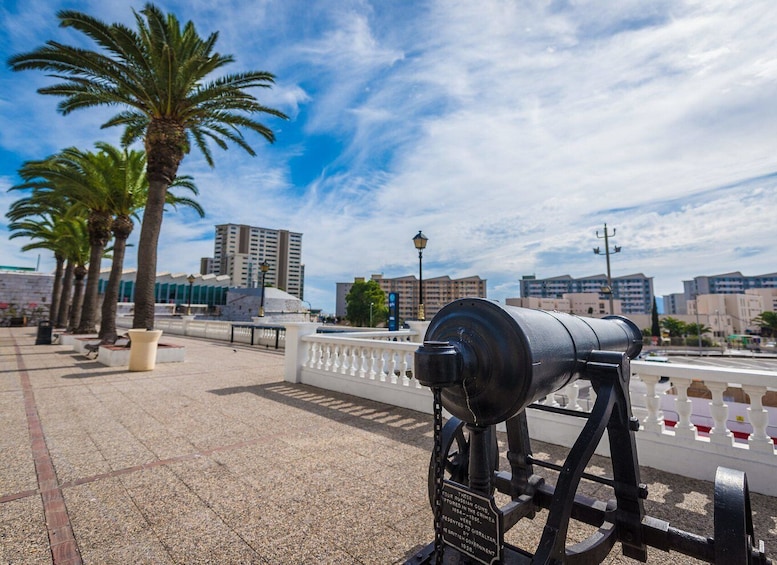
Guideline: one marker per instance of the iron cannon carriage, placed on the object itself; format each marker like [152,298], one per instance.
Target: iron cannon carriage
[486,364]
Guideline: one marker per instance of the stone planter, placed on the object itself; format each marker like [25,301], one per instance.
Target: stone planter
[143,349]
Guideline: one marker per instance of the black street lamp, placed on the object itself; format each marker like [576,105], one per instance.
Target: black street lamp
[191,279]
[264,266]
[420,243]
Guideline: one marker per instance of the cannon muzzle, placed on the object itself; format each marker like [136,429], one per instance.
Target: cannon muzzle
[496,360]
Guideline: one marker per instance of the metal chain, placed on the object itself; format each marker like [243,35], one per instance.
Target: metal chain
[439,474]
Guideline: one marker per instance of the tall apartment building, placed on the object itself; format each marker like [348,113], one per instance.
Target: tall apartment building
[438,291]
[726,283]
[239,250]
[634,291]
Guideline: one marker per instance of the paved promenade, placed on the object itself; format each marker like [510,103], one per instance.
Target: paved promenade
[218,460]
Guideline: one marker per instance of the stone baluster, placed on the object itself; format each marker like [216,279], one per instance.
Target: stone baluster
[572,393]
[684,427]
[392,368]
[405,367]
[654,421]
[719,434]
[373,364]
[335,367]
[344,361]
[354,360]
[306,352]
[378,355]
[385,355]
[328,354]
[315,356]
[759,440]
[550,400]
[364,362]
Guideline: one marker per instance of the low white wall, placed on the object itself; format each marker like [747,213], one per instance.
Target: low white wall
[214,329]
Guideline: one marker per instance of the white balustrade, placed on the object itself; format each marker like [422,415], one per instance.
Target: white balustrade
[377,365]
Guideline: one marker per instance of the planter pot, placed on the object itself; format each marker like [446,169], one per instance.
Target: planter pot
[143,349]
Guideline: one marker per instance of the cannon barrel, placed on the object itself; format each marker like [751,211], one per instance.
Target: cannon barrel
[492,361]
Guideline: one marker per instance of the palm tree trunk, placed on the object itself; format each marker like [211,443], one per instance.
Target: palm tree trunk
[87,324]
[78,297]
[108,322]
[56,292]
[66,296]
[145,278]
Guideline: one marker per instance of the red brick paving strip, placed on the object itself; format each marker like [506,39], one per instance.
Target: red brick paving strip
[64,550]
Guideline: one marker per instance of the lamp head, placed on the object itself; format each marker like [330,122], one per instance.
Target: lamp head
[190,279]
[420,241]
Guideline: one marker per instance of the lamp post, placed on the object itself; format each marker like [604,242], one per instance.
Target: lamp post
[606,236]
[264,266]
[371,305]
[190,278]
[420,243]
[698,326]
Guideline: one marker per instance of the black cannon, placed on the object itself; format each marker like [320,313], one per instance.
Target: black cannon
[486,364]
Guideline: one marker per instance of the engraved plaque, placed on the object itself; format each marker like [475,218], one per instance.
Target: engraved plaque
[471,523]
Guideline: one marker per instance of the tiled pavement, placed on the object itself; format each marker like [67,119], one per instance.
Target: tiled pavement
[217,460]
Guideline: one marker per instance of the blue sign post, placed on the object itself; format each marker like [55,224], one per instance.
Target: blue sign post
[393,311]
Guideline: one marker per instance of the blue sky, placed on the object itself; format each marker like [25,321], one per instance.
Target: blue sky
[508,131]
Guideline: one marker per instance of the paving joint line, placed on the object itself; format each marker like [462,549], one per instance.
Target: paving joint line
[62,542]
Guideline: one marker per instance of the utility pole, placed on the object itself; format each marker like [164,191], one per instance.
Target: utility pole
[617,249]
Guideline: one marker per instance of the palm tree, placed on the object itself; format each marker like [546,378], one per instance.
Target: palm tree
[160,75]
[83,178]
[79,252]
[697,329]
[127,195]
[72,243]
[42,223]
[109,186]
[43,233]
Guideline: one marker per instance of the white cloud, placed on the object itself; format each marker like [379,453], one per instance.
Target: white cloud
[508,132]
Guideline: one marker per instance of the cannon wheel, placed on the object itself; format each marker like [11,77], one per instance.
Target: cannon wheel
[733,518]
[455,447]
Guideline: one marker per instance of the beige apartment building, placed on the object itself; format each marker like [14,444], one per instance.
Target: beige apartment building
[438,291]
[727,314]
[578,303]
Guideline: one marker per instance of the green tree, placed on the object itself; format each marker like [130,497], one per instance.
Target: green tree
[160,75]
[767,321]
[655,326]
[363,298]
[675,327]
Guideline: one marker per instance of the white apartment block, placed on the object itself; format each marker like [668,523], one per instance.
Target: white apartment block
[635,292]
[239,251]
